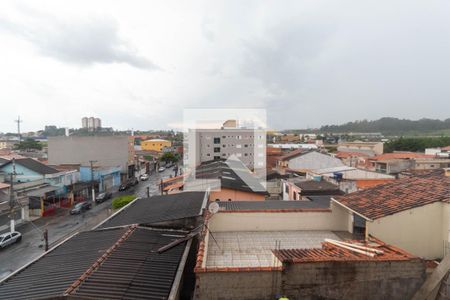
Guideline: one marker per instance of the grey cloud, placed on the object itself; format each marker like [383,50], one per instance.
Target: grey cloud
[83,41]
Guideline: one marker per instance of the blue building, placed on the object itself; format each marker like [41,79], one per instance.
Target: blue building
[106,177]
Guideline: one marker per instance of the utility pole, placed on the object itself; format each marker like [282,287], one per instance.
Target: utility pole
[91,162]
[18,121]
[148,192]
[11,196]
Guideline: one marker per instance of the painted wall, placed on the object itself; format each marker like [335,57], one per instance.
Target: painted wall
[23,174]
[155,145]
[336,220]
[225,194]
[107,178]
[420,231]
[106,150]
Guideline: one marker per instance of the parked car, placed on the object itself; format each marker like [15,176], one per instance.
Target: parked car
[134,181]
[124,186]
[80,207]
[103,197]
[144,177]
[161,169]
[9,238]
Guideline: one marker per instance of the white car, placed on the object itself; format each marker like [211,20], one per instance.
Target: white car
[161,169]
[9,238]
[144,177]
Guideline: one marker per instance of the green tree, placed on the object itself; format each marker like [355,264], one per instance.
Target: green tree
[169,157]
[28,144]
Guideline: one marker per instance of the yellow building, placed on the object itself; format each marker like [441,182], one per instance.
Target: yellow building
[155,145]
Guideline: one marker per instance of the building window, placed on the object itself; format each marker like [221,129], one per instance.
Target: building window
[238,146]
[245,154]
[208,154]
[246,146]
[216,157]
[217,140]
[224,146]
[216,149]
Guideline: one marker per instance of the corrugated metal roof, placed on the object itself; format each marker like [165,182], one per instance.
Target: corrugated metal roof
[159,209]
[103,264]
[53,273]
[135,270]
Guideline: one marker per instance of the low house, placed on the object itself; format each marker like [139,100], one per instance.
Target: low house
[350,179]
[106,178]
[299,188]
[352,159]
[157,145]
[228,180]
[394,163]
[412,213]
[252,250]
[45,186]
[370,148]
[302,161]
[439,152]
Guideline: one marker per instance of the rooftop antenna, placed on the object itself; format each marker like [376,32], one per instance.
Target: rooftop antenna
[18,121]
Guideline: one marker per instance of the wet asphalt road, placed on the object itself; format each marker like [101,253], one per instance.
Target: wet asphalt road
[62,225]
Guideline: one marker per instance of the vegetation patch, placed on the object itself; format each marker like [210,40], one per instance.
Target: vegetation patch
[121,201]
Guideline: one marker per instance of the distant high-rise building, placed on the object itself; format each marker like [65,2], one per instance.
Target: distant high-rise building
[97,123]
[91,123]
[84,122]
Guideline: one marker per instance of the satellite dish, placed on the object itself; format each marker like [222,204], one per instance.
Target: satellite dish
[213,207]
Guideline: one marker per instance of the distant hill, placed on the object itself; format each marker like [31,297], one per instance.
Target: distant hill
[393,126]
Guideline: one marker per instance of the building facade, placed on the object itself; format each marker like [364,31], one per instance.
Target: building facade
[247,145]
[157,145]
[103,151]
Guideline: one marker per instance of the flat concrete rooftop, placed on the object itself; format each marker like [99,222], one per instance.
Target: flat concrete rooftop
[254,248]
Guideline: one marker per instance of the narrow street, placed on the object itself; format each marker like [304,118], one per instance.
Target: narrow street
[62,225]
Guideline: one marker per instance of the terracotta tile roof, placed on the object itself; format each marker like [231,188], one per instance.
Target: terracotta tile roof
[400,155]
[342,154]
[332,253]
[293,154]
[400,195]
[446,148]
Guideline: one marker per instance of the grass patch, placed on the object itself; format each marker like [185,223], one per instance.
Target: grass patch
[121,201]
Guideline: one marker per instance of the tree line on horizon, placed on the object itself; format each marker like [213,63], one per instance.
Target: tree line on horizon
[390,125]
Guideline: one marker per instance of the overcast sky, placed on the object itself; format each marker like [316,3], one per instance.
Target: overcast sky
[138,64]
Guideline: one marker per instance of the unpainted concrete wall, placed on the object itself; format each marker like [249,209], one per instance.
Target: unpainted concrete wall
[237,285]
[353,280]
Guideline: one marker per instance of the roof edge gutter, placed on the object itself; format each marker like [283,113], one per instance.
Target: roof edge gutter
[353,211]
[177,281]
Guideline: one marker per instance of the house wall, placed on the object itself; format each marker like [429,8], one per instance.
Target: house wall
[336,220]
[314,160]
[225,194]
[105,150]
[237,285]
[23,174]
[419,231]
[152,145]
[353,280]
